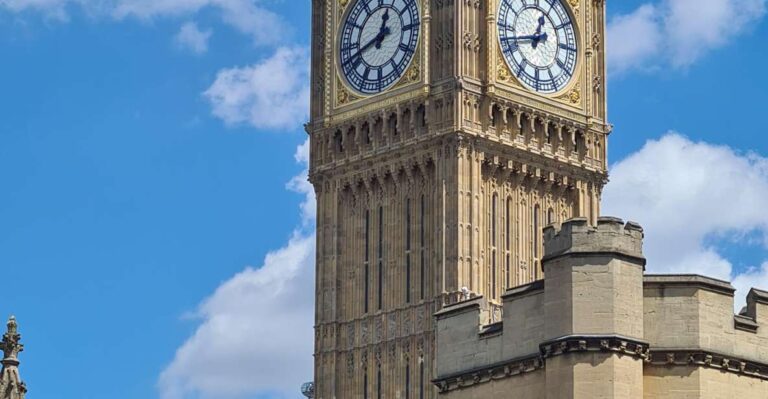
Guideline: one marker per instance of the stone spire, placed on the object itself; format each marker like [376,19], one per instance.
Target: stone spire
[11,386]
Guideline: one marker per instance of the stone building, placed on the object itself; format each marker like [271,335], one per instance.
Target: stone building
[11,386]
[596,327]
[444,135]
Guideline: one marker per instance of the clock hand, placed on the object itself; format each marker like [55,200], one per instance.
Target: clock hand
[526,37]
[542,20]
[384,30]
[368,45]
[541,38]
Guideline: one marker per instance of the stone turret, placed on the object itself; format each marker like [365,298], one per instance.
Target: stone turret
[593,301]
[11,386]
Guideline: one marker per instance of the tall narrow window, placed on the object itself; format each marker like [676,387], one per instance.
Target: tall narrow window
[494,235]
[381,256]
[422,253]
[421,379]
[365,385]
[550,216]
[366,264]
[536,238]
[508,242]
[493,219]
[408,250]
[407,380]
[378,382]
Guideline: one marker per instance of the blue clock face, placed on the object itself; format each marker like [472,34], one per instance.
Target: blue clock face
[377,43]
[538,40]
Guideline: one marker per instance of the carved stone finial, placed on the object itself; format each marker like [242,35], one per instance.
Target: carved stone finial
[11,386]
[11,343]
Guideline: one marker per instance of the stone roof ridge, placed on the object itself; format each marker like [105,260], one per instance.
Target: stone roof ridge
[11,385]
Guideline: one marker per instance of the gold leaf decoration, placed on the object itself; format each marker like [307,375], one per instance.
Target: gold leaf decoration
[343,3]
[343,96]
[572,97]
[575,6]
[413,74]
[503,74]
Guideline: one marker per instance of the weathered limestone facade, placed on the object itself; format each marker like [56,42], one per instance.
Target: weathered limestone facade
[596,327]
[443,181]
[11,386]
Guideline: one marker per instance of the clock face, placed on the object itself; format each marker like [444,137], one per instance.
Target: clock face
[538,40]
[377,43]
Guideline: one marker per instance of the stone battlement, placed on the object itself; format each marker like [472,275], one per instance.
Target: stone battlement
[636,335]
[611,235]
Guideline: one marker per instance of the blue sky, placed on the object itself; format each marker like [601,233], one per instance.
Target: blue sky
[154,222]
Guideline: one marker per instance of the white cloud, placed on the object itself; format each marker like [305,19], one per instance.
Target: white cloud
[270,94]
[190,37]
[687,194]
[246,16]
[256,333]
[754,277]
[677,32]
[301,184]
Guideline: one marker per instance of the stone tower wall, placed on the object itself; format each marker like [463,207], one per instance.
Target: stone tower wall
[459,131]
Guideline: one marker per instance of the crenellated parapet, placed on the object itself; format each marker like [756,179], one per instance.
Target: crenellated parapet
[578,237]
[597,327]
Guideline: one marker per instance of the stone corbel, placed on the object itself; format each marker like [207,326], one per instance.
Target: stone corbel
[408,169]
[493,165]
[507,168]
[546,123]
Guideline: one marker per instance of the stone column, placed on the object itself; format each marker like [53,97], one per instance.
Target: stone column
[594,310]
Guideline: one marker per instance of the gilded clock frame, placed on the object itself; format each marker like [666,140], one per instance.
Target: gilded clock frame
[571,94]
[414,77]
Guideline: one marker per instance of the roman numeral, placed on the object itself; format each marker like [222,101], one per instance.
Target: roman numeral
[354,61]
[566,47]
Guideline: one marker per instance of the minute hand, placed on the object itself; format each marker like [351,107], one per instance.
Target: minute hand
[373,41]
[527,37]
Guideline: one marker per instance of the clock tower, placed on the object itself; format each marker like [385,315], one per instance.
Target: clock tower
[445,135]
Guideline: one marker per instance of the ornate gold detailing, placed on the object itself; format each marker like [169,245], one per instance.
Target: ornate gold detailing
[343,96]
[503,74]
[574,6]
[343,3]
[413,74]
[573,96]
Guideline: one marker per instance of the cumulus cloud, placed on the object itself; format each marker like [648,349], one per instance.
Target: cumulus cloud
[246,16]
[190,37]
[255,334]
[676,33]
[689,195]
[270,94]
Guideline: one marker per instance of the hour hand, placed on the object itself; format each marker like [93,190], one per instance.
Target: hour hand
[542,20]
[384,30]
